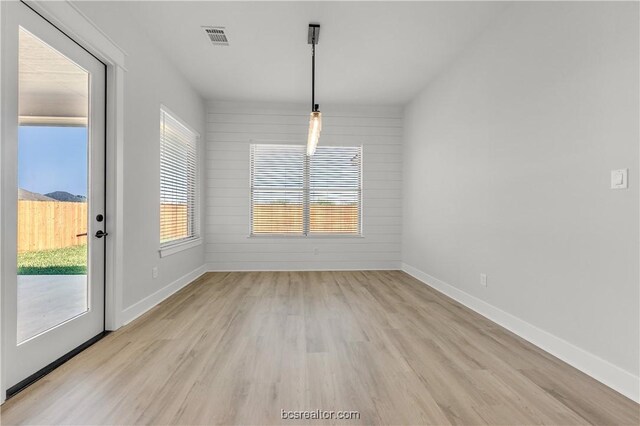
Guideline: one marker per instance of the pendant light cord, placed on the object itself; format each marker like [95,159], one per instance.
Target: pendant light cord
[313,75]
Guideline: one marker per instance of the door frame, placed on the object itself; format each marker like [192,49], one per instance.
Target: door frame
[71,21]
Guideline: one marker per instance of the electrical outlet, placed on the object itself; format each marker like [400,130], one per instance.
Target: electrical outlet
[154,272]
[483,280]
[316,251]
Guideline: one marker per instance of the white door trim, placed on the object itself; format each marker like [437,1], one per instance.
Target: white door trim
[66,17]
[3,389]
[69,19]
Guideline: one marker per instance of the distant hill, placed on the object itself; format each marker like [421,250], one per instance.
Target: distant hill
[65,196]
[23,194]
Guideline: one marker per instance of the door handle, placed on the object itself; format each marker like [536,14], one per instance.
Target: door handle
[101,234]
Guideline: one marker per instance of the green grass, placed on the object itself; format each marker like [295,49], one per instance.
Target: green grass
[64,261]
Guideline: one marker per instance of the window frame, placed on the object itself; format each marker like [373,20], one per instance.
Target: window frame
[175,246]
[306,205]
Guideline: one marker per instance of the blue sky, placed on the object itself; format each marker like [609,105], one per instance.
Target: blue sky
[52,159]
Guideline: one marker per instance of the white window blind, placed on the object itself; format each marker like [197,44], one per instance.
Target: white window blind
[335,175]
[292,194]
[178,182]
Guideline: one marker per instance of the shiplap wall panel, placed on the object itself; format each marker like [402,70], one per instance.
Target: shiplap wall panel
[232,127]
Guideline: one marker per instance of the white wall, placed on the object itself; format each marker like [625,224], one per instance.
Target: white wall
[231,128]
[507,162]
[150,80]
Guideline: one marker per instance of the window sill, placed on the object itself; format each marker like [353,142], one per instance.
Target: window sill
[178,247]
[320,236]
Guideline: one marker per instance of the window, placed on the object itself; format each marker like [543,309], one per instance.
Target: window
[178,182]
[292,194]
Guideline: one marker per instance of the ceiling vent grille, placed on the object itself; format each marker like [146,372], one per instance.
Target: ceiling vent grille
[217,35]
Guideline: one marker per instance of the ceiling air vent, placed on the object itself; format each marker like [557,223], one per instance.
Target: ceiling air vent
[217,36]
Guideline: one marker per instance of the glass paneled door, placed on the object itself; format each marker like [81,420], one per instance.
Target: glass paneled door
[54,291]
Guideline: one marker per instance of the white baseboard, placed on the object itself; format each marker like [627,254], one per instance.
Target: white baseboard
[302,270]
[279,267]
[609,374]
[139,308]
[304,266]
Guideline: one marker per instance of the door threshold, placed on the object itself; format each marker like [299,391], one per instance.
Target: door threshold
[13,390]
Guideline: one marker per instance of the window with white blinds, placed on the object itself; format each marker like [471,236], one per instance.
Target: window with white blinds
[178,182]
[293,194]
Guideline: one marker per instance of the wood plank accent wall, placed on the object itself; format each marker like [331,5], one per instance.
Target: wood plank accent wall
[232,127]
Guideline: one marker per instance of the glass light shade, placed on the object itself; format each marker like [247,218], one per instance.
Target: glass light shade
[315,126]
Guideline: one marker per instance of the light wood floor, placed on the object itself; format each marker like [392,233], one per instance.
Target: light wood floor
[237,348]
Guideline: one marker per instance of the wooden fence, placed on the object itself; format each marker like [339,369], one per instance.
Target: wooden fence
[174,222]
[287,218]
[46,225]
[333,218]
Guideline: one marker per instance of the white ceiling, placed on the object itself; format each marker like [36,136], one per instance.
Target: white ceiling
[369,52]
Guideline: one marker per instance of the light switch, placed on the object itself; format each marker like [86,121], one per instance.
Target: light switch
[619,179]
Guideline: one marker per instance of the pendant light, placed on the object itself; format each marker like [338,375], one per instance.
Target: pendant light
[315,120]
